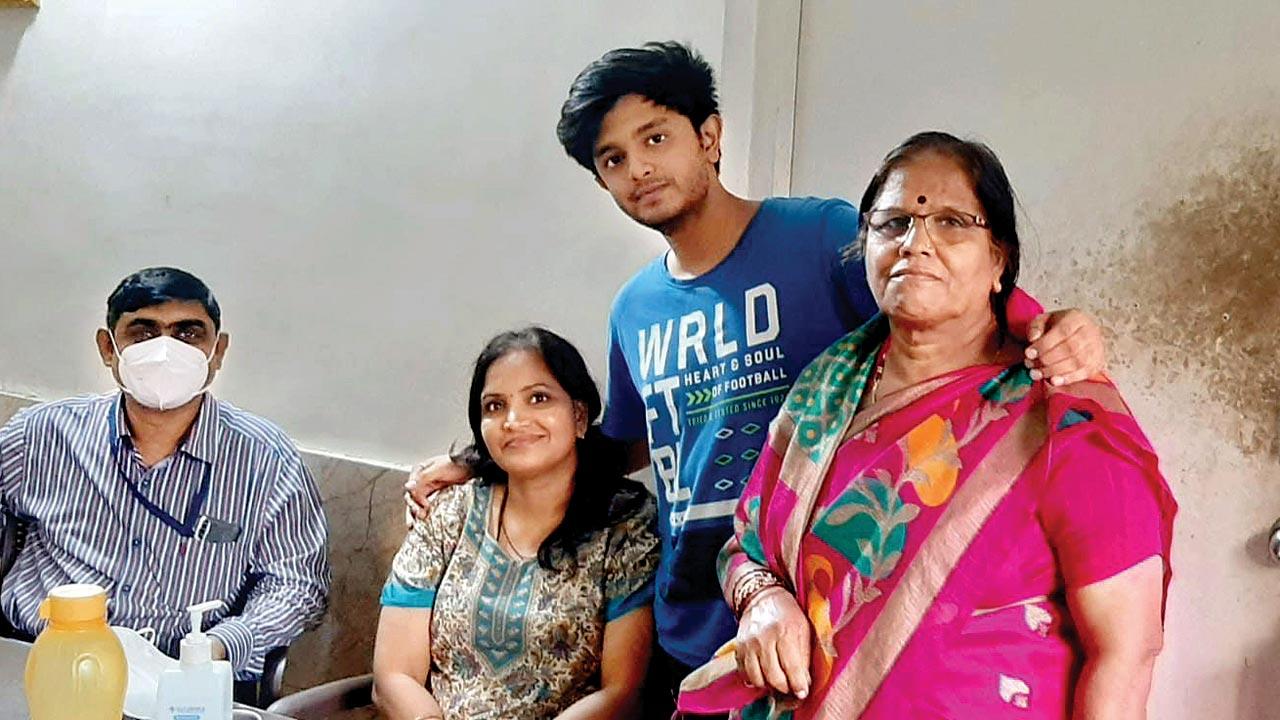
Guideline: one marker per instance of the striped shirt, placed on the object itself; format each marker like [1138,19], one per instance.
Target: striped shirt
[232,515]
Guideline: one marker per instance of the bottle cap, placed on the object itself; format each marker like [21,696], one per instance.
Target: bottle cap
[74,604]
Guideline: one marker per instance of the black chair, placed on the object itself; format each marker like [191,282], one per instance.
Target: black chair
[13,535]
[266,689]
[258,693]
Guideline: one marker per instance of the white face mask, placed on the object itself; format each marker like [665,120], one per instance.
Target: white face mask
[162,373]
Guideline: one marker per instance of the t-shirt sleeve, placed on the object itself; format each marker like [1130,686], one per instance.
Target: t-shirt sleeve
[419,565]
[848,273]
[1100,512]
[631,562]
[624,416]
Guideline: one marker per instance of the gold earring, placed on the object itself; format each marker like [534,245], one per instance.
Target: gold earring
[997,287]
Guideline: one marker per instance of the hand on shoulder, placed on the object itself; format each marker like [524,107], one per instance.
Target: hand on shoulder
[426,479]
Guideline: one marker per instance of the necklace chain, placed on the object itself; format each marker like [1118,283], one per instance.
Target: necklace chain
[875,381]
[502,529]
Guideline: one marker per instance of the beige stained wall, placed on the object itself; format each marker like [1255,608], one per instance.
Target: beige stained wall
[1144,139]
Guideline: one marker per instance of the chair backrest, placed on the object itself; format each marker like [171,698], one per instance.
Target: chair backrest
[13,535]
[268,687]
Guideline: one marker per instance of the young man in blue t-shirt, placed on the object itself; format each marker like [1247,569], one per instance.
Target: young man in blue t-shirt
[705,340]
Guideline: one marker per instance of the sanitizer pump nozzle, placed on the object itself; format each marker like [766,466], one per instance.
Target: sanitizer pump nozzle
[198,688]
[196,648]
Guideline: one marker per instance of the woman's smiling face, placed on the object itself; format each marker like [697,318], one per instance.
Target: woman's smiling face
[529,423]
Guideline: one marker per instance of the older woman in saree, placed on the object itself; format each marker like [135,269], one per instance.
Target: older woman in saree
[929,533]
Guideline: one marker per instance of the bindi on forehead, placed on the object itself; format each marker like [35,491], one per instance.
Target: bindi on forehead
[922,200]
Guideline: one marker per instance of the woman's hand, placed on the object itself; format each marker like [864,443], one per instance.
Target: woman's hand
[773,643]
[428,478]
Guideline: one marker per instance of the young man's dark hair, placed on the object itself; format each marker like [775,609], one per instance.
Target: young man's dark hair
[157,285]
[669,74]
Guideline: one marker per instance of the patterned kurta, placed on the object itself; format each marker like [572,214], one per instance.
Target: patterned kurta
[510,639]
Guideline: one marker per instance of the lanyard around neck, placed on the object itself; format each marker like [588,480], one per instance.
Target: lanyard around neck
[187,528]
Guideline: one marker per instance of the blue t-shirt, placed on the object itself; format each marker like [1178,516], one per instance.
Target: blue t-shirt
[699,367]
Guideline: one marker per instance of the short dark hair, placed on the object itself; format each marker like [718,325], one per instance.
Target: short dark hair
[669,74]
[602,497]
[157,285]
[990,184]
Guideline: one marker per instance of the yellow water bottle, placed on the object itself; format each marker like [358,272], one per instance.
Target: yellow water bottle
[76,669]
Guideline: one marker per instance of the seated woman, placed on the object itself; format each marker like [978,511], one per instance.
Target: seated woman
[929,533]
[527,592]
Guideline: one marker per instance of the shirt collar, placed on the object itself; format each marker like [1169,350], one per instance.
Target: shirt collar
[201,440]
[118,422]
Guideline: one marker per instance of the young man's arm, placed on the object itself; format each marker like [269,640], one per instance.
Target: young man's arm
[638,456]
[1066,347]
[428,478]
[624,409]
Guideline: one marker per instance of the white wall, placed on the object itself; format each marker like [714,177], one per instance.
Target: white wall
[1145,142]
[372,189]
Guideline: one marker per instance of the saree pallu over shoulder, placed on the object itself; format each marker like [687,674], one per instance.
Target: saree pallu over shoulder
[814,419]
[871,550]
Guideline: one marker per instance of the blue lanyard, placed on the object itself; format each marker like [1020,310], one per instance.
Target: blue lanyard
[189,526]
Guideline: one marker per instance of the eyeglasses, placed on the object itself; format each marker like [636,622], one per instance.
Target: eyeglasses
[944,226]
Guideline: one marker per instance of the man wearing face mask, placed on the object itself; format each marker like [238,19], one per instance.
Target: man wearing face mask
[163,494]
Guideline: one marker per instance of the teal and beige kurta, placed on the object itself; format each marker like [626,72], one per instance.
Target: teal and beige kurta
[509,638]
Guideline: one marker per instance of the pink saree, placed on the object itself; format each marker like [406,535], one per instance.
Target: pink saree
[930,538]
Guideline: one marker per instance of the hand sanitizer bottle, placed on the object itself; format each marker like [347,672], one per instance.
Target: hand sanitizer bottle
[200,687]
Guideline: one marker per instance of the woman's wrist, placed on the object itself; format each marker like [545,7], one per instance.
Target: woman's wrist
[751,585]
